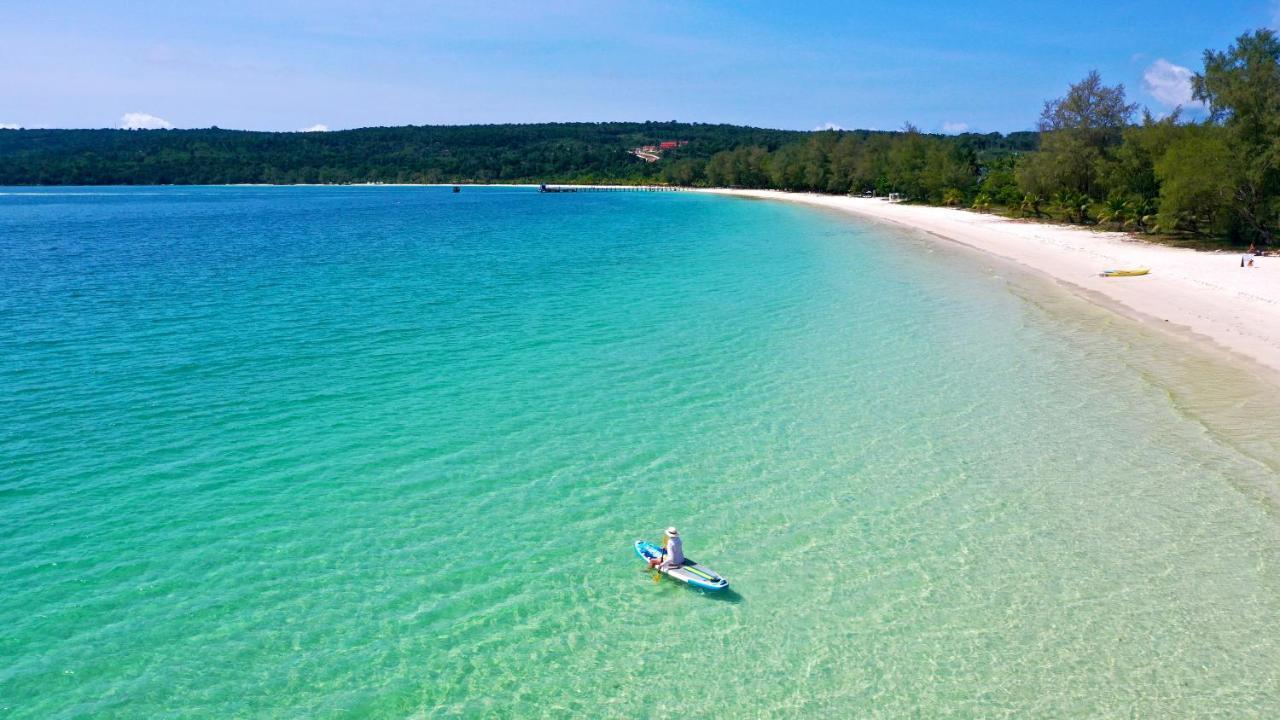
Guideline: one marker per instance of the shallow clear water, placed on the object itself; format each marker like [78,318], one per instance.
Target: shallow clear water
[382,452]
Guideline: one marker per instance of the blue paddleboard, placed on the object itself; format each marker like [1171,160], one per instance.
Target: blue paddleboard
[690,572]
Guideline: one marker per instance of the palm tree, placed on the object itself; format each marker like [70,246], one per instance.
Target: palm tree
[1144,214]
[1030,205]
[1072,206]
[1116,211]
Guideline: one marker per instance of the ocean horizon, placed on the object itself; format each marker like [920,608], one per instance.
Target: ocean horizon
[383,451]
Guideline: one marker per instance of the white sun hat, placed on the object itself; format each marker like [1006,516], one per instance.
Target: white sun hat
[672,532]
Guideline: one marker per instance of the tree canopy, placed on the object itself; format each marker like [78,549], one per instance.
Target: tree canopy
[470,153]
[1241,85]
[1088,162]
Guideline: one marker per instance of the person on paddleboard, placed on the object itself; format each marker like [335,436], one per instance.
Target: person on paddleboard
[672,551]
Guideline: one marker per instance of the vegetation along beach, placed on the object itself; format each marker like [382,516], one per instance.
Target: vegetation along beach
[357,370]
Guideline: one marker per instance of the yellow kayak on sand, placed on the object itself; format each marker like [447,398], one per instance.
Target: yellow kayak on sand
[1126,273]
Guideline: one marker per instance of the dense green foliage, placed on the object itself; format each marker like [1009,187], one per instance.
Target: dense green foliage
[1215,179]
[472,153]
[1088,162]
[715,154]
[919,166]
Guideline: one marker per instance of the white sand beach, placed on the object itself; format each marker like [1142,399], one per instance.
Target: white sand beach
[1205,294]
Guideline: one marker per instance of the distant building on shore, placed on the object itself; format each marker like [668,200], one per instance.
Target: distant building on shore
[653,153]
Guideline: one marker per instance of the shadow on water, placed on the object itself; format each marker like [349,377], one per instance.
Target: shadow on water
[728,595]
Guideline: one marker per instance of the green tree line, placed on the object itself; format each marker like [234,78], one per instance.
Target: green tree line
[1093,164]
[1094,159]
[548,152]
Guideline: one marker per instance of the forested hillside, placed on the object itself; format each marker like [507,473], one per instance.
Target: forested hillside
[471,153]
[1093,159]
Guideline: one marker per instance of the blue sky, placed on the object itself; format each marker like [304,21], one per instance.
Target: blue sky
[292,65]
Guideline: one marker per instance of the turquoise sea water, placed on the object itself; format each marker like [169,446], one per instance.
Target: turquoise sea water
[382,452]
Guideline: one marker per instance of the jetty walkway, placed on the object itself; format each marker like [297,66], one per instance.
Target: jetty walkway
[607,188]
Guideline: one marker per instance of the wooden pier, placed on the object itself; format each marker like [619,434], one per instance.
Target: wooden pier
[607,188]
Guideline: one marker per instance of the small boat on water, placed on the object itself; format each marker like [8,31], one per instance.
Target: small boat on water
[1135,272]
[690,572]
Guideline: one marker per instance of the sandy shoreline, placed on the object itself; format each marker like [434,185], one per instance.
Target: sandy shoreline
[1206,294]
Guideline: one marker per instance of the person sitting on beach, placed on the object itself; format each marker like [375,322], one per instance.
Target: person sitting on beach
[672,551]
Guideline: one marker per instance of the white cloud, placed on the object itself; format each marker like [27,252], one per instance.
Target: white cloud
[954,128]
[827,126]
[10,126]
[318,127]
[143,121]
[1169,84]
